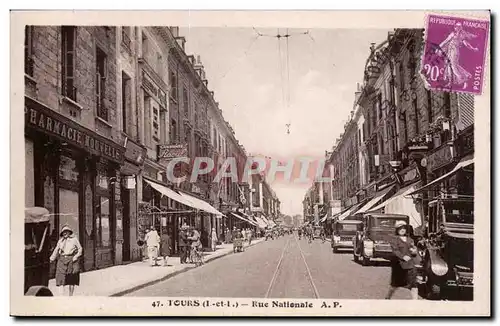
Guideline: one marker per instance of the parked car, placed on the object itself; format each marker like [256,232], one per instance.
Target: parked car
[343,234]
[374,240]
[448,262]
[317,232]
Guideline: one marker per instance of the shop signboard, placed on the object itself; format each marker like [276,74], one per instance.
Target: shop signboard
[50,122]
[440,157]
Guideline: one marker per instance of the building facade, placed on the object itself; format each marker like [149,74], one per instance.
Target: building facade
[401,136]
[74,144]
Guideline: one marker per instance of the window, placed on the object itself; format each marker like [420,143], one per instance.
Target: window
[447,105]
[379,106]
[401,76]
[173,132]
[415,109]
[28,50]
[102,110]
[68,61]
[126,39]
[429,107]
[173,85]
[145,45]
[155,121]
[405,126]
[126,100]
[185,102]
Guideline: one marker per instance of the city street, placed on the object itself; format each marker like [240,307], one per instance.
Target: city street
[306,270]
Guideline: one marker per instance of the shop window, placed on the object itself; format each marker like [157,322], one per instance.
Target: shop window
[29,177]
[102,110]
[103,234]
[69,209]
[28,51]
[68,61]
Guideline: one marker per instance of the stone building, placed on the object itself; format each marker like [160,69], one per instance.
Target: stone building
[74,144]
[404,135]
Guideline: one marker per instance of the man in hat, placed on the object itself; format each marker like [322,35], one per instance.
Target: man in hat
[67,253]
[183,243]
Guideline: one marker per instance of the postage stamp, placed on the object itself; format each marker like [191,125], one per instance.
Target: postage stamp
[454,57]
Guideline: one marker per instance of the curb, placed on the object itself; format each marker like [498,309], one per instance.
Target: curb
[166,277]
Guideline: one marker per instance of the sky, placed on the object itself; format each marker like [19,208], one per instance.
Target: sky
[259,93]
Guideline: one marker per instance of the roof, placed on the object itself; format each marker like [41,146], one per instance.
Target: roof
[387,215]
[350,222]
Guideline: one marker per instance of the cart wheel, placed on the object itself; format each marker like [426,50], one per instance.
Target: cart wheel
[39,291]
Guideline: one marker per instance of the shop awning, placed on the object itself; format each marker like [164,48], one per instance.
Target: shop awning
[400,204]
[343,215]
[203,205]
[466,161]
[401,193]
[374,201]
[237,215]
[170,193]
[184,198]
[261,222]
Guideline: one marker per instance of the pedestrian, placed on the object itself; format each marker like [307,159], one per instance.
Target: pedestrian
[143,246]
[67,252]
[250,235]
[165,248]
[195,239]
[214,239]
[403,270]
[153,244]
[227,238]
[183,243]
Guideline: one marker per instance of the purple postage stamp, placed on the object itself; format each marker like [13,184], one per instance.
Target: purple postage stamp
[455,54]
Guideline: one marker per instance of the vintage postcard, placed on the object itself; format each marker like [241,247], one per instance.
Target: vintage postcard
[245,163]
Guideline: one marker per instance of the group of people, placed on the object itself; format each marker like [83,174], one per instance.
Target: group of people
[246,234]
[189,243]
[156,246]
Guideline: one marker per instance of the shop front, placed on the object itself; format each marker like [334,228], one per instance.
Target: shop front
[74,173]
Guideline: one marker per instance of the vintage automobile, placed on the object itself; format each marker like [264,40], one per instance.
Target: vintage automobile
[373,242]
[343,234]
[317,231]
[448,262]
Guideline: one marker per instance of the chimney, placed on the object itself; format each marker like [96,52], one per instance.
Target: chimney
[191,59]
[212,93]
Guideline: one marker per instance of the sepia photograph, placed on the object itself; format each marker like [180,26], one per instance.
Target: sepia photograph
[211,168]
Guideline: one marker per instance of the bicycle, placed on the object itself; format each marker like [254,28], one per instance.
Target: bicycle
[196,257]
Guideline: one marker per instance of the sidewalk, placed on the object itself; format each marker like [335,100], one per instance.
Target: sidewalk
[123,279]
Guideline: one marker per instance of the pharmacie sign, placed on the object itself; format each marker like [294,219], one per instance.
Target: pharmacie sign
[52,123]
